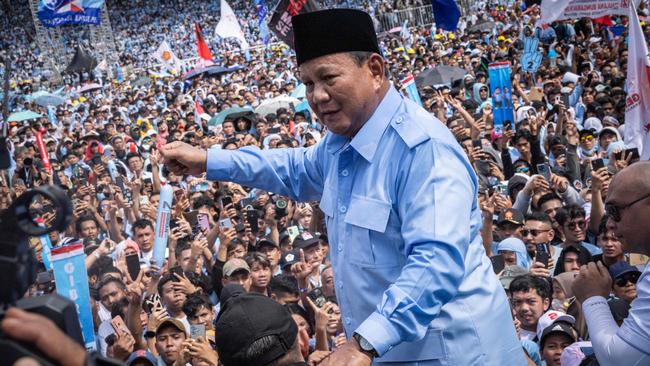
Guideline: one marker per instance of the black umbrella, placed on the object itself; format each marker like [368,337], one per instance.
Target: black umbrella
[82,61]
[485,26]
[440,75]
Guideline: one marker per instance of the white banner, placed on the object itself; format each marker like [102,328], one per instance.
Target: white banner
[552,10]
[637,111]
[165,55]
[228,25]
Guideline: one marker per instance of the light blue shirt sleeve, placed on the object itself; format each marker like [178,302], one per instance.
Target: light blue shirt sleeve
[436,205]
[296,173]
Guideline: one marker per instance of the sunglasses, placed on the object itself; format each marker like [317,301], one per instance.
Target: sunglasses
[586,138]
[576,224]
[533,232]
[615,211]
[630,277]
[522,170]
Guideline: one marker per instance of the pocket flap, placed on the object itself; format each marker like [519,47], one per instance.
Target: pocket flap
[368,213]
[326,205]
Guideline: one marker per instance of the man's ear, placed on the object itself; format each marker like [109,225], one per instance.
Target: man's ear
[376,66]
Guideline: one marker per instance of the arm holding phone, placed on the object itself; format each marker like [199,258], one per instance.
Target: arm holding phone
[154,157]
[598,178]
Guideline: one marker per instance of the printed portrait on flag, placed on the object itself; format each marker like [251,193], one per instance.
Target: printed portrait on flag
[53,13]
[501,91]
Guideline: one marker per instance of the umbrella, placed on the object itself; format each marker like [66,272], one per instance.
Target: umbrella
[300,91]
[440,75]
[272,105]
[89,87]
[211,71]
[486,26]
[23,116]
[234,113]
[49,99]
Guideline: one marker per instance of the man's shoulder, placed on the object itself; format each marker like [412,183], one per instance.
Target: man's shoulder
[415,125]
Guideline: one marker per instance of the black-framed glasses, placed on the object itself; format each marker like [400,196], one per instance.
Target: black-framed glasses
[629,277]
[572,225]
[533,232]
[615,211]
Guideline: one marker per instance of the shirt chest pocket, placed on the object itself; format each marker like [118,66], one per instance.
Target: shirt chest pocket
[369,239]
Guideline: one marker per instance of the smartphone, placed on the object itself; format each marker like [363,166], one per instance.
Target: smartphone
[119,326]
[634,151]
[498,263]
[502,188]
[565,100]
[201,187]
[251,218]
[597,164]
[293,232]
[245,202]
[133,265]
[317,297]
[273,130]
[173,224]
[197,330]
[477,143]
[541,254]
[150,303]
[203,221]
[545,171]
[225,201]
[126,192]
[191,217]
[225,224]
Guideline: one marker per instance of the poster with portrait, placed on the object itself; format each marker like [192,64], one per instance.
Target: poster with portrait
[501,91]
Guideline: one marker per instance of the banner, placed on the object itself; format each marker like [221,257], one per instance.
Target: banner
[166,56]
[637,109]
[53,13]
[408,84]
[228,25]
[162,224]
[501,90]
[446,14]
[71,278]
[261,15]
[552,10]
[280,22]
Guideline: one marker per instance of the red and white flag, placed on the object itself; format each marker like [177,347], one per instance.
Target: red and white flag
[637,109]
[205,56]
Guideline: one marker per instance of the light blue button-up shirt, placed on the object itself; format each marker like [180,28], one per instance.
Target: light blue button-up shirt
[410,271]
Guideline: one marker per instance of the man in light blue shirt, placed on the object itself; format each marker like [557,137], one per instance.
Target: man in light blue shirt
[399,195]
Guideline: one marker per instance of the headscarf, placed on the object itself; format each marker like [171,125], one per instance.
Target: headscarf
[515,245]
[477,96]
[565,281]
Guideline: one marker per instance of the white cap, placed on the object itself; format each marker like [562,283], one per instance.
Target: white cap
[551,317]
[593,123]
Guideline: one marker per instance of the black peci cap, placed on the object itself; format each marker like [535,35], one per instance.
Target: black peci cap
[326,32]
[244,319]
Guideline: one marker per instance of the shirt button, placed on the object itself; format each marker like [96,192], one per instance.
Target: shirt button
[340,284]
[399,120]
[345,172]
[343,209]
[348,321]
[340,249]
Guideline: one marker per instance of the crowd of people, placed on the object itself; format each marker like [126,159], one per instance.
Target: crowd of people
[543,180]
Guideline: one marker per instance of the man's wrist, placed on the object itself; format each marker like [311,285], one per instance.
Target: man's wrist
[364,346]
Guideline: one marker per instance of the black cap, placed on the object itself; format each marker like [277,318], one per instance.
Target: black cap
[289,259]
[326,32]
[266,241]
[304,240]
[557,327]
[512,216]
[245,319]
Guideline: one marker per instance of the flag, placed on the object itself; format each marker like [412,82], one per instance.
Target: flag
[198,111]
[54,13]
[261,15]
[446,14]
[228,25]
[166,56]
[204,51]
[637,110]
[408,85]
[552,10]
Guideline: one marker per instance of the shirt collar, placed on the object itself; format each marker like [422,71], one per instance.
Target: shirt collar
[366,141]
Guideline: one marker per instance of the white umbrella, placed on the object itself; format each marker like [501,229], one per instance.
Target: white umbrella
[272,105]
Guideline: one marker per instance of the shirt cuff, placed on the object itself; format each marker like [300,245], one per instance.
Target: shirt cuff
[218,164]
[379,332]
[594,300]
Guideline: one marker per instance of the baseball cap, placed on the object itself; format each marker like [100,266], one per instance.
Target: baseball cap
[304,240]
[174,323]
[517,181]
[573,355]
[509,274]
[142,355]
[266,241]
[512,216]
[233,265]
[557,327]
[620,268]
[244,319]
[551,317]
[289,258]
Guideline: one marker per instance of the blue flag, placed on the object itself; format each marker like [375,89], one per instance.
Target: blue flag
[53,13]
[261,14]
[446,14]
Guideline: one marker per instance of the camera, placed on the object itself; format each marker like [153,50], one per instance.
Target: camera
[280,208]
